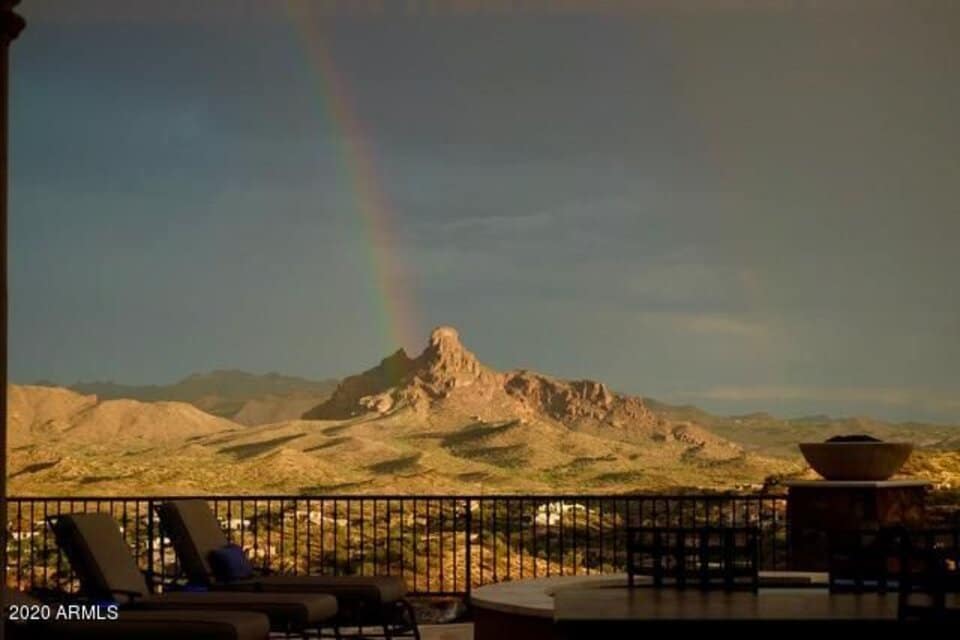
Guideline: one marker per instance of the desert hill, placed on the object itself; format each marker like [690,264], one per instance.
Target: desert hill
[63,442]
[33,412]
[38,413]
[240,396]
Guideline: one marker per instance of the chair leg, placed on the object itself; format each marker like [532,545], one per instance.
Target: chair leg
[413,619]
[404,619]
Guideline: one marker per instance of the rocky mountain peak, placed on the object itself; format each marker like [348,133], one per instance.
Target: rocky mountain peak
[447,373]
[445,338]
[446,361]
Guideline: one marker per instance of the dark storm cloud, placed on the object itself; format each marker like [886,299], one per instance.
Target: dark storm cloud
[745,207]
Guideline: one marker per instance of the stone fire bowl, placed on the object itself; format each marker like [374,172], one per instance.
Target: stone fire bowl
[856,460]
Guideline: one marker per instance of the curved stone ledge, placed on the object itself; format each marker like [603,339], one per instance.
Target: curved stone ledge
[524,608]
[534,597]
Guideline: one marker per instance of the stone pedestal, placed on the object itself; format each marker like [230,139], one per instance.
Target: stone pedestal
[815,508]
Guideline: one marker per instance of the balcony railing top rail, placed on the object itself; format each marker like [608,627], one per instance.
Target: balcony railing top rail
[649,495]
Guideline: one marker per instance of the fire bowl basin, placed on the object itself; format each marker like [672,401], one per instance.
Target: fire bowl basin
[856,460]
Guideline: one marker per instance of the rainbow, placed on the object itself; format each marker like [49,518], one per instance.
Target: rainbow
[388,274]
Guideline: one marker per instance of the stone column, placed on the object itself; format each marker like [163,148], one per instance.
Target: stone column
[818,508]
[10,27]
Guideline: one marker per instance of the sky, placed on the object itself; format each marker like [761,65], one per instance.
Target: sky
[747,206]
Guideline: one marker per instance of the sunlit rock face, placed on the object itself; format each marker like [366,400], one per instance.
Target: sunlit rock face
[448,378]
[399,381]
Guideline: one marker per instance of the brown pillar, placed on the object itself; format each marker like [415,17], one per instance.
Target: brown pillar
[10,27]
[817,509]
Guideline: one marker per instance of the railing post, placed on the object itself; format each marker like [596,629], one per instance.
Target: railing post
[150,536]
[788,552]
[468,546]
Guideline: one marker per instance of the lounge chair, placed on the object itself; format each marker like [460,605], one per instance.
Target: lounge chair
[95,548]
[195,533]
[143,625]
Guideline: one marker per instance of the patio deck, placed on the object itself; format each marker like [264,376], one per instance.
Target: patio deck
[603,606]
[457,631]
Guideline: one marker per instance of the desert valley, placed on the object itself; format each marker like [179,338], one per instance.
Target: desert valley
[441,422]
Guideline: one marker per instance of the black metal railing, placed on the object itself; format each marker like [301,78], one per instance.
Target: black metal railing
[441,545]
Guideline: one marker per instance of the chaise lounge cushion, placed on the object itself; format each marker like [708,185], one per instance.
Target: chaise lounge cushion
[100,556]
[385,589]
[196,533]
[301,610]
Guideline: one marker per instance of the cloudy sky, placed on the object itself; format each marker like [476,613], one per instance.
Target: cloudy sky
[741,205]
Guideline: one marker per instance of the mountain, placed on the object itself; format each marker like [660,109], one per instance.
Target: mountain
[244,397]
[447,379]
[439,422]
